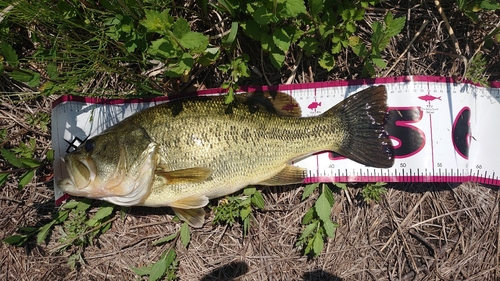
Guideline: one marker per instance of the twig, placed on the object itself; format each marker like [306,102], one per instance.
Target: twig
[295,67]
[262,65]
[448,26]
[7,10]
[424,24]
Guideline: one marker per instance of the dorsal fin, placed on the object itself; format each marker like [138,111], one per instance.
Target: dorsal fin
[278,102]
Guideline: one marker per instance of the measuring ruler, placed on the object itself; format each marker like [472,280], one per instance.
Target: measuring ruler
[442,131]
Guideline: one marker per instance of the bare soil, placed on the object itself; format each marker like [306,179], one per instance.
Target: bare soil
[418,231]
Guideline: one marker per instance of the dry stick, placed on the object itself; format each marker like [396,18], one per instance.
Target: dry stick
[448,26]
[424,24]
[403,223]
[495,29]
[452,36]
[295,67]
[262,66]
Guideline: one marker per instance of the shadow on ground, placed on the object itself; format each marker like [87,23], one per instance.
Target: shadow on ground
[234,270]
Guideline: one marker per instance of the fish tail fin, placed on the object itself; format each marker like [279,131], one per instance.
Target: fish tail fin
[363,116]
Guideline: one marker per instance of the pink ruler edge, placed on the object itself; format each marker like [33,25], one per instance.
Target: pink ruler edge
[218,91]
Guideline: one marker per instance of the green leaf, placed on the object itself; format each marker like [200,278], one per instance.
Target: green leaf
[316,7]
[318,244]
[30,77]
[281,39]
[360,50]
[308,190]
[25,179]
[368,69]
[44,231]
[83,204]
[185,234]
[180,28]
[102,213]
[50,155]
[293,8]
[326,61]
[184,65]
[277,58]
[52,71]
[309,45]
[3,178]
[11,158]
[61,216]
[330,228]
[394,26]
[229,39]
[328,195]
[337,47]
[323,208]
[248,191]
[70,205]
[141,271]
[258,200]
[378,61]
[246,225]
[165,239]
[16,240]
[9,54]
[192,40]
[308,216]
[262,16]
[163,47]
[29,163]
[157,22]
[350,26]
[158,270]
[254,30]
[245,212]
[170,257]
[308,230]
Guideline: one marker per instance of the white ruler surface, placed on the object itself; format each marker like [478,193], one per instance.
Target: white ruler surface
[442,131]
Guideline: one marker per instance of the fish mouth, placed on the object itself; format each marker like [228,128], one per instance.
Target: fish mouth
[81,173]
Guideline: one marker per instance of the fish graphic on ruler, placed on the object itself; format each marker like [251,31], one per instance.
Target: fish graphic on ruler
[428,98]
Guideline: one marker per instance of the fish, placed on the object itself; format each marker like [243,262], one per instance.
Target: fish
[429,98]
[185,152]
[314,105]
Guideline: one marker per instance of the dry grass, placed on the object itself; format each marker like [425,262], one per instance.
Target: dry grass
[417,232]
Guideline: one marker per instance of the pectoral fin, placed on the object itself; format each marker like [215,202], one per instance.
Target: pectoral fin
[197,174]
[289,175]
[194,217]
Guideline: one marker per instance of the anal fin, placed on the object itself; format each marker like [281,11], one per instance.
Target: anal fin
[194,217]
[289,175]
[190,209]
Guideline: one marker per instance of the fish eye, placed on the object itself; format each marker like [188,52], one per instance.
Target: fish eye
[89,145]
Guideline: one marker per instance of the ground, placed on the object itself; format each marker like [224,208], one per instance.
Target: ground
[418,231]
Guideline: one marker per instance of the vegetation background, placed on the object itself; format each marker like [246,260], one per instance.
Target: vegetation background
[138,48]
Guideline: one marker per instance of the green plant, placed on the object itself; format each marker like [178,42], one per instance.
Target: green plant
[239,207]
[21,158]
[476,70]
[382,34]
[373,191]
[472,7]
[166,266]
[318,225]
[79,229]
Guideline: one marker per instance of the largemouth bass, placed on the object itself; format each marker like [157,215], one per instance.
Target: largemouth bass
[183,153]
